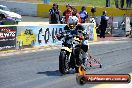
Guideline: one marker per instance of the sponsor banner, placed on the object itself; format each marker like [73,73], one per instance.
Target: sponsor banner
[45,35]
[90,29]
[38,35]
[29,36]
[7,38]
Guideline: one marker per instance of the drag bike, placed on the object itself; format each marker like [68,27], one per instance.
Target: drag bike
[69,53]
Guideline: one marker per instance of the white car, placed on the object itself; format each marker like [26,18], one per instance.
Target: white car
[7,13]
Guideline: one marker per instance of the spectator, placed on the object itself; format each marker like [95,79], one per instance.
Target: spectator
[59,12]
[128,3]
[103,24]
[122,3]
[67,7]
[93,10]
[83,15]
[67,12]
[75,13]
[53,14]
[107,3]
[116,4]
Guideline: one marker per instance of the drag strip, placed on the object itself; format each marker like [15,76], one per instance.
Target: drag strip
[40,69]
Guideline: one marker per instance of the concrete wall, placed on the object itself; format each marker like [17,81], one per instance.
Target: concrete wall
[43,9]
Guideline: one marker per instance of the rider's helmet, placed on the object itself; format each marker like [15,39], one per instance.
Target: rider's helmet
[72,22]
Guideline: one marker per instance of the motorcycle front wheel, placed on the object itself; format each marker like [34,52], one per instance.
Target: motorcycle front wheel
[63,63]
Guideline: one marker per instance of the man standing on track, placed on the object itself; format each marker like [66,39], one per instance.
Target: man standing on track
[83,15]
[53,14]
[103,24]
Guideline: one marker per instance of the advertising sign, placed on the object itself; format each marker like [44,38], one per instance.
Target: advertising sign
[38,35]
[29,36]
[7,37]
[45,35]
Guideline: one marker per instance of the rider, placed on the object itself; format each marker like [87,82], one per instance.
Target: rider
[77,29]
[53,14]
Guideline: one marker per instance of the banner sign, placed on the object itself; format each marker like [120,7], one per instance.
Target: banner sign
[89,28]
[7,37]
[29,36]
[38,35]
[45,35]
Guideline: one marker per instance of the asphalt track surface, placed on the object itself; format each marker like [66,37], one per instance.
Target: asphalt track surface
[40,69]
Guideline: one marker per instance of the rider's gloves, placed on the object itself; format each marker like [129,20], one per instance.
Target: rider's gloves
[58,36]
[81,37]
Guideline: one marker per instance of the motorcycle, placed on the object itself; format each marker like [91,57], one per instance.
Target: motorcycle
[69,53]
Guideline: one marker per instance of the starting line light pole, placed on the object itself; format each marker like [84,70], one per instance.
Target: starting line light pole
[46,1]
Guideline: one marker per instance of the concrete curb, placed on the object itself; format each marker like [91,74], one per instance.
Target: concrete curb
[28,50]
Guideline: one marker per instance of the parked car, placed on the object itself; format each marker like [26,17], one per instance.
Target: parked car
[6,13]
